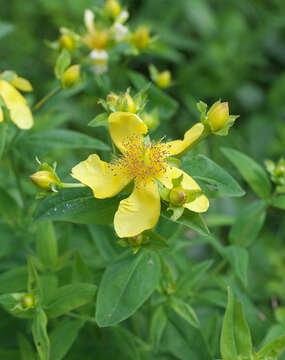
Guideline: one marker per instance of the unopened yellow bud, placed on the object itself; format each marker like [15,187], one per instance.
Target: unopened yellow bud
[112,8]
[218,116]
[27,301]
[127,104]
[44,179]
[70,76]
[164,79]
[178,196]
[66,42]
[141,38]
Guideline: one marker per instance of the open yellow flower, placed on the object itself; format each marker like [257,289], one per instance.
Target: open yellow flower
[20,113]
[144,163]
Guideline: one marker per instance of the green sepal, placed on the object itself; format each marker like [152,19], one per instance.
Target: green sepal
[177,212]
[176,182]
[229,123]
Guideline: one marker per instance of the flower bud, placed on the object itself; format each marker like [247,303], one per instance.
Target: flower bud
[112,100]
[28,301]
[70,76]
[66,42]
[163,79]
[112,8]
[44,179]
[127,104]
[141,38]
[136,240]
[150,119]
[178,196]
[218,116]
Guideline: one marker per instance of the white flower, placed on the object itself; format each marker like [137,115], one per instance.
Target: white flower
[89,20]
[120,31]
[100,61]
[122,17]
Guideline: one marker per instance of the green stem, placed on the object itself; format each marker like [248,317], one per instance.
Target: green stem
[46,98]
[72,185]
[84,318]
[18,180]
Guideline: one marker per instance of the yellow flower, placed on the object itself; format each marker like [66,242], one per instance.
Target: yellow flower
[144,163]
[164,79]
[95,38]
[141,38]
[112,8]
[20,113]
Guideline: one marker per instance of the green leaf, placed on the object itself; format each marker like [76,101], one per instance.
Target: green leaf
[190,278]
[62,63]
[58,139]
[77,206]
[63,336]
[248,224]
[191,220]
[80,271]
[235,337]
[14,280]
[26,349]
[70,297]
[100,120]
[9,208]
[46,244]
[185,311]
[125,342]
[39,330]
[5,28]
[213,179]
[48,287]
[3,133]
[157,327]
[279,202]
[125,286]
[238,258]
[156,242]
[251,171]
[273,349]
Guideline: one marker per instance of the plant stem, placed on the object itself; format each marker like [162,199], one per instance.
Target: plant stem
[18,180]
[84,318]
[72,185]
[46,98]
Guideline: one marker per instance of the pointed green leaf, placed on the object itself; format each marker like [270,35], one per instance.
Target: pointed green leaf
[238,257]
[46,244]
[63,336]
[273,349]
[39,330]
[185,311]
[157,327]
[62,62]
[251,171]
[213,179]
[248,224]
[125,286]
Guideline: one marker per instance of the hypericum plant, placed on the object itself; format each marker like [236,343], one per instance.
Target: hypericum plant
[115,259]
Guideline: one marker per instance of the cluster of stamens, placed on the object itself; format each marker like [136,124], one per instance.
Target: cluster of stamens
[140,160]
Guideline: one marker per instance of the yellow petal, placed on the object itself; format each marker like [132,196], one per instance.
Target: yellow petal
[1,115]
[190,137]
[201,204]
[139,212]
[98,175]
[124,125]
[22,84]
[20,113]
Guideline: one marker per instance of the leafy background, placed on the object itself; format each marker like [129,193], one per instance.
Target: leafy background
[215,49]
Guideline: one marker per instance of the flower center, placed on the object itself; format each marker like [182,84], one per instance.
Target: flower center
[142,161]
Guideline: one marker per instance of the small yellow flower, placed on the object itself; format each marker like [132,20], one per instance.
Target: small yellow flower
[144,163]
[66,42]
[112,8]
[20,113]
[95,38]
[141,38]
[164,79]
[218,116]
